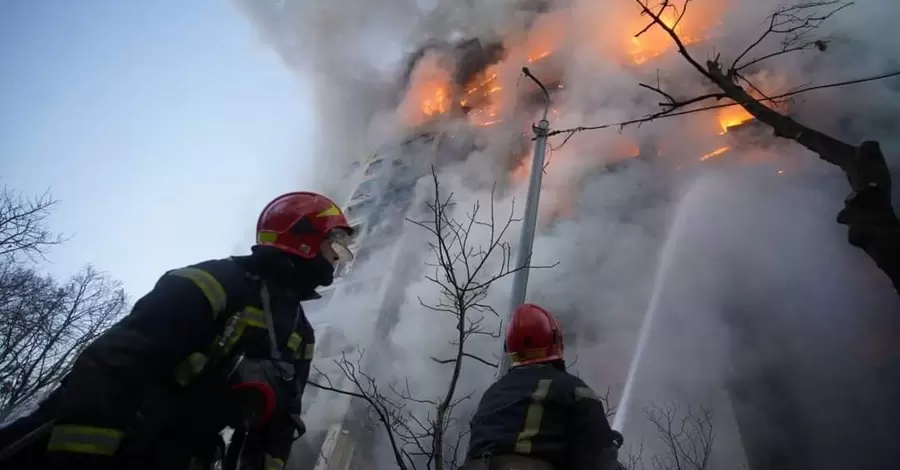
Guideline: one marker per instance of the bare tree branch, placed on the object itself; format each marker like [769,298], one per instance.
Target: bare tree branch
[44,326]
[22,224]
[688,437]
[794,23]
[470,356]
[571,131]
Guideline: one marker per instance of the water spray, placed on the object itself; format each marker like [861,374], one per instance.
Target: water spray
[665,263]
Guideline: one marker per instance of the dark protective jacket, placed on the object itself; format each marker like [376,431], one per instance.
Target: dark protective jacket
[874,227]
[155,380]
[540,411]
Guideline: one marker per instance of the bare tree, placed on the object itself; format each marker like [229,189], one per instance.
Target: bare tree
[470,254]
[44,325]
[22,229]
[687,439]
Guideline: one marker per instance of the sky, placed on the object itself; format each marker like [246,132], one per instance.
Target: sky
[162,127]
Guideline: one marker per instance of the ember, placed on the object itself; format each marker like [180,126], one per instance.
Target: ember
[715,153]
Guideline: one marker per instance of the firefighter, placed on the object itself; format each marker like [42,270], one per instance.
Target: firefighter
[869,214]
[538,416]
[154,391]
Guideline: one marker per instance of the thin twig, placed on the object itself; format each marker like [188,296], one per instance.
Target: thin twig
[573,130]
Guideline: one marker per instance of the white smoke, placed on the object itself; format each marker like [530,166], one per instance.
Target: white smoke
[758,246]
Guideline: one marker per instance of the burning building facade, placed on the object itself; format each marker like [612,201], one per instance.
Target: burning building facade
[463,102]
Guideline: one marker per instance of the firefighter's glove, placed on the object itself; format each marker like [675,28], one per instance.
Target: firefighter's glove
[299,426]
[618,439]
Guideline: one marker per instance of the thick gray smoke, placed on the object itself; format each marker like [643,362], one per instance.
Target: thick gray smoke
[750,273]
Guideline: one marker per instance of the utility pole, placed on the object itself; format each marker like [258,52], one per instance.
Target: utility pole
[526,241]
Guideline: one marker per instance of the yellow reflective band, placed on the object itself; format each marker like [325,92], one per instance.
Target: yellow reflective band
[190,368]
[266,237]
[533,417]
[250,317]
[330,212]
[582,393]
[253,316]
[84,440]
[294,341]
[211,288]
[310,351]
[273,463]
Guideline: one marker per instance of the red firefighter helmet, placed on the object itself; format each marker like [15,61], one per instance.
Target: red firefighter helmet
[533,336]
[303,223]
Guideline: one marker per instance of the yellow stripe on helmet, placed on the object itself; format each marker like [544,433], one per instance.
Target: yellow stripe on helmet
[330,212]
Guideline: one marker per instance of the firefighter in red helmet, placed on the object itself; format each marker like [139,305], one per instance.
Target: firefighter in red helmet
[538,416]
[155,390]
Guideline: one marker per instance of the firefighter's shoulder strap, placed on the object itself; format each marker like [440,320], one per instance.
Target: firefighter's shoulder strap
[270,323]
[274,350]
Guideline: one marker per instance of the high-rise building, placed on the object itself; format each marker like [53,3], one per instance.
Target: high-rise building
[384,194]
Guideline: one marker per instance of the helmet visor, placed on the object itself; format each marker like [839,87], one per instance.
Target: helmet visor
[337,244]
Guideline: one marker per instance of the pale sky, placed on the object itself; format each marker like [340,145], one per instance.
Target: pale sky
[162,126]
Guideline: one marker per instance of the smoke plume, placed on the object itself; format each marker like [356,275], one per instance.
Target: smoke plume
[733,233]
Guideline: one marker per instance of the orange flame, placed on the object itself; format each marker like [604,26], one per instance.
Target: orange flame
[437,100]
[732,116]
[534,57]
[655,41]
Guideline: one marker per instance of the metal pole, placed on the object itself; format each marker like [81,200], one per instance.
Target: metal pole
[526,241]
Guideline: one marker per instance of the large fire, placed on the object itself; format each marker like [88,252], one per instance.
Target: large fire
[548,36]
[655,42]
[437,99]
[489,95]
